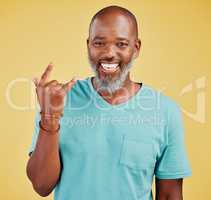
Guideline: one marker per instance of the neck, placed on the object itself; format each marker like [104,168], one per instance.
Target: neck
[128,89]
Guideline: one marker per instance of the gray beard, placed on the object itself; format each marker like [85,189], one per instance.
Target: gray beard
[109,85]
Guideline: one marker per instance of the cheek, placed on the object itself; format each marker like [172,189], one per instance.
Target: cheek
[93,54]
[126,58]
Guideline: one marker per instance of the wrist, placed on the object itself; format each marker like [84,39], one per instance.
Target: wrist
[49,123]
[50,114]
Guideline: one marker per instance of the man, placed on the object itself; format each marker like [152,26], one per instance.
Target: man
[111,135]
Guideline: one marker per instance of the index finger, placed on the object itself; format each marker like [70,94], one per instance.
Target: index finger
[46,73]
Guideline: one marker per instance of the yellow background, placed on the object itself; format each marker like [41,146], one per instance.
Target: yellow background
[175,53]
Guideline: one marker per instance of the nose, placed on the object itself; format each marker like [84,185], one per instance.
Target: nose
[110,52]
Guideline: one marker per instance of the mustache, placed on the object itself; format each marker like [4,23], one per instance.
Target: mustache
[123,66]
[108,61]
[104,60]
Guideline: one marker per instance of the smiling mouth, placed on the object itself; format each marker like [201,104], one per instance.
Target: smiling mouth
[109,67]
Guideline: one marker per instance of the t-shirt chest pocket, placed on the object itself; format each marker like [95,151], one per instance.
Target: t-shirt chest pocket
[137,154]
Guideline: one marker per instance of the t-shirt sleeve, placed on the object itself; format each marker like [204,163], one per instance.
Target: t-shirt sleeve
[35,132]
[173,161]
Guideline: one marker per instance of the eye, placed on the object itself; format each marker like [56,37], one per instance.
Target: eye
[122,44]
[98,44]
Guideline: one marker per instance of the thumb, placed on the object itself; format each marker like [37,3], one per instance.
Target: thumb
[67,86]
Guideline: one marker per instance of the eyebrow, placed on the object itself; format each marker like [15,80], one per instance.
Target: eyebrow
[102,38]
[121,38]
[98,38]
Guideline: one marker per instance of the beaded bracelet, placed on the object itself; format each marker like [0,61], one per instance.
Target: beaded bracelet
[48,131]
[54,115]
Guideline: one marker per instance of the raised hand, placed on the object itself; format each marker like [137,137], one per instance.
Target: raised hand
[51,94]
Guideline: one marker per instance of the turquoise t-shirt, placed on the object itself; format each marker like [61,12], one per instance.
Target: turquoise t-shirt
[113,151]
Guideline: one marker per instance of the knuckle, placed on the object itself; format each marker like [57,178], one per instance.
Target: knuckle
[54,81]
[46,88]
[43,76]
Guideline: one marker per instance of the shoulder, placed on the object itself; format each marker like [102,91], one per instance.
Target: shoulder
[81,83]
[81,86]
[165,103]
[79,95]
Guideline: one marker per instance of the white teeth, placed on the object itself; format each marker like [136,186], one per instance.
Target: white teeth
[109,66]
[104,65]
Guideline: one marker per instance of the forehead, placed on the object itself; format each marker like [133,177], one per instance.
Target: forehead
[112,25]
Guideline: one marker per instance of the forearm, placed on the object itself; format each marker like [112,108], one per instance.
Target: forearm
[43,167]
[169,197]
[169,189]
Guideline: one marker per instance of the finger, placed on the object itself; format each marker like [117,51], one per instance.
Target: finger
[58,86]
[36,81]
[67,86]
[46,74]
[53,82]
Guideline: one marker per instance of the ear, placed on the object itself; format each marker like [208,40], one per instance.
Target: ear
[87,44]
[87,41]
[137,47]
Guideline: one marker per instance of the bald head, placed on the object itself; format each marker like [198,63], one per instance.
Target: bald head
[114,12]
